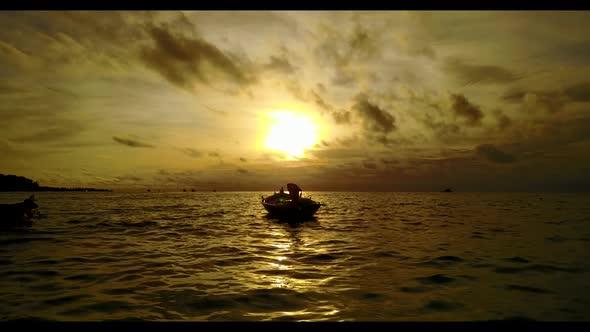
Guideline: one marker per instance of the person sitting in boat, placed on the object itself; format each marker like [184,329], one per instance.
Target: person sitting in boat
[294,191]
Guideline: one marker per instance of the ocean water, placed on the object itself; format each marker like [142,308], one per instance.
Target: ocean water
[365,257]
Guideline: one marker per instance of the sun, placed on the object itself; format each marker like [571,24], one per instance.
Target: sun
[291,133]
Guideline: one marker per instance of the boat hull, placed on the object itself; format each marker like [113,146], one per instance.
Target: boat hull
[292,210]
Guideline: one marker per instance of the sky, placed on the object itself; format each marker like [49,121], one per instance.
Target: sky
[252,100]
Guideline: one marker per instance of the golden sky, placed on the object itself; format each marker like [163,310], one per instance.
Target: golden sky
[379,101]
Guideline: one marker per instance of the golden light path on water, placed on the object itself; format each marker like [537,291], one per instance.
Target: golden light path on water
[281,263]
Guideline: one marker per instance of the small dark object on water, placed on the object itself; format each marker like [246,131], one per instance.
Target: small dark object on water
[18,214]
[448,190]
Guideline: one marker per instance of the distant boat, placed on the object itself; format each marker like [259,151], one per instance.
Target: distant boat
[448,190]
[291,205]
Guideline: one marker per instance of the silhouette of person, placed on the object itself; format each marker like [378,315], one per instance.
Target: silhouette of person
[294,191]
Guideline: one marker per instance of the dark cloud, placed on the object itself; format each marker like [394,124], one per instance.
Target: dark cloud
[483,74]
[579,92]
[216,111]
[320,101]
[182,60]
[131,142]
[241,170]
[493,154]
[130,178]
[549,101]
[47,135]
[343,79]
[214,154]
[8,148]
[340,50]
[471,113]
[513,96]
[348,141]
[425,50]
[242,159]
[576,52]
[502,119]
[14,55]
[280,64]
[295,89]
[552,134]
[339,153]
[192,152]
[374,118]
[442,129]
[363,44]
[387,161]
[9,88]
[369,164]
[342,117]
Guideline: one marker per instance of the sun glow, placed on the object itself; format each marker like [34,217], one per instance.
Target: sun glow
[291,133]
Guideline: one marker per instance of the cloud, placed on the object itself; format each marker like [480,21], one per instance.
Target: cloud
[484,74]
[579,92]
[442,129]
[7,87]
[242,159]
[348,141]
[465,109]
[342,117]
[369,164]
[132,143]
[128,178]
[374,118]
[343,79]
[320,101]
[548,101]
[513,96]
[503,120]
[184,61]
[341,49]
[280,64]
[48,135]
[214,154]
[241,170]
[339,153]
[192,152]
[493,154]
[15,55]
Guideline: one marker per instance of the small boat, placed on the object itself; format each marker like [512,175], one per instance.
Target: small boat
[18,214]
[291,205]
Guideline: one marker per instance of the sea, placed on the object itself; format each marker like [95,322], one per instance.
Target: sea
[366,256]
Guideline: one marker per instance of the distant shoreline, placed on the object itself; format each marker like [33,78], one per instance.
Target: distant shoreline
[49,189]
[12,183]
